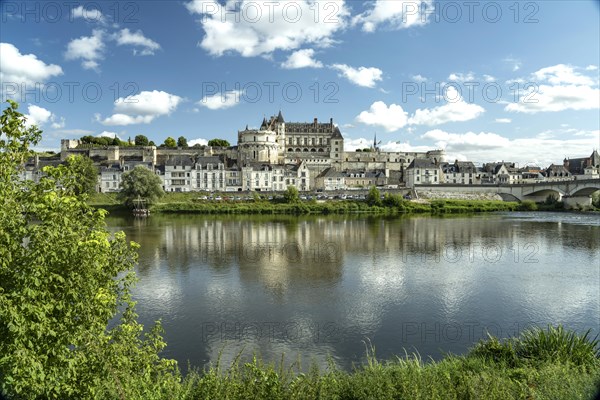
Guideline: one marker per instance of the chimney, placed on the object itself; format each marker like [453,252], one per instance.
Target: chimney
[331,121]
[315,121]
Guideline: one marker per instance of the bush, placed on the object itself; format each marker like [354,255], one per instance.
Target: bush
[528,205]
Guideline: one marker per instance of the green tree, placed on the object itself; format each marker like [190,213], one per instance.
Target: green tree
[218,143]
[291,195]
[170,142]
[182,142]
[85,174]
[151,143]
[63,277]
[374,197]
[141,140]
[140,182]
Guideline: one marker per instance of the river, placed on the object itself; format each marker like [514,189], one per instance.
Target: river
[324,287]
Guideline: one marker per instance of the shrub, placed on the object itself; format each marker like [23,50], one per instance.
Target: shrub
[528,205]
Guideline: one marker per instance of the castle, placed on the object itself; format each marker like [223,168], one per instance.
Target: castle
[270,158]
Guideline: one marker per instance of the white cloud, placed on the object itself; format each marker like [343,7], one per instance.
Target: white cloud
[302,59]
[353,144]
[221,101]
[540,150]
[503,120]
[40,116]
[389,118]
[88,13]
[126,37]
[488,78]
[253,28]
[363,76]
[141,108]
[591,68]
[556,88]
[561,73]
[201,142]
[24,69]
[557,98]
[460,77]
[456,110]
[37,115]
[419,78]
[89,49]
[396,14]
[402,147]
[394,117]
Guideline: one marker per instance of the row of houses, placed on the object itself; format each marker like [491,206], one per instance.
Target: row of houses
[217,173]
[211,174]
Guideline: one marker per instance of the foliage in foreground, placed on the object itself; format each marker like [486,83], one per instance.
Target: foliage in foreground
[541,364]
[63,278]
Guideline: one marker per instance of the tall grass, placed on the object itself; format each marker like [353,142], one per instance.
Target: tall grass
[540,364]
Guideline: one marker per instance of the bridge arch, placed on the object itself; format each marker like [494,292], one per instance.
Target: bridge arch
[541,195]
[508,197]
[587,191]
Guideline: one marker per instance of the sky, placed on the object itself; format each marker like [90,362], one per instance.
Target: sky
[486,81]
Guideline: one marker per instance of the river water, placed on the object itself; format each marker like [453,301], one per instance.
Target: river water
[323,288]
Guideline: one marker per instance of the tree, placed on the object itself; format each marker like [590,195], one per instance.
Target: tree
[218,143]
[291,195]
[170,142]
[182,142]
[63,278]
[140,182]
[374,197]
[85,174]
[141,140]
[151,143]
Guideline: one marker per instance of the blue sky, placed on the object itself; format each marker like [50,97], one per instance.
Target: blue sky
[419,74]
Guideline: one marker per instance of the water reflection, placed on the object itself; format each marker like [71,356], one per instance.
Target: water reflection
[319,286]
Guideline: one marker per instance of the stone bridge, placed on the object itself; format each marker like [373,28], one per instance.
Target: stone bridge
[572,192]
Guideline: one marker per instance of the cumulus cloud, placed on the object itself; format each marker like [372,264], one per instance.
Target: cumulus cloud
[419,78]
[361,76]
[562,88]
[389,118]
[141,108]
[40,116]
[394,117]
[24,69]
[539,150]
[252,28]
[395,14]
[456,110]
[137,39]
[503,120]
[90,49]
[302,59]
[221,101]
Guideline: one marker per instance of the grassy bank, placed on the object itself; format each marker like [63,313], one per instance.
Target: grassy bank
[179,204]
[540,364]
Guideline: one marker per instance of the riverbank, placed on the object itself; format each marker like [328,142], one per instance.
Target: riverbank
[540,364]
[190,203]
